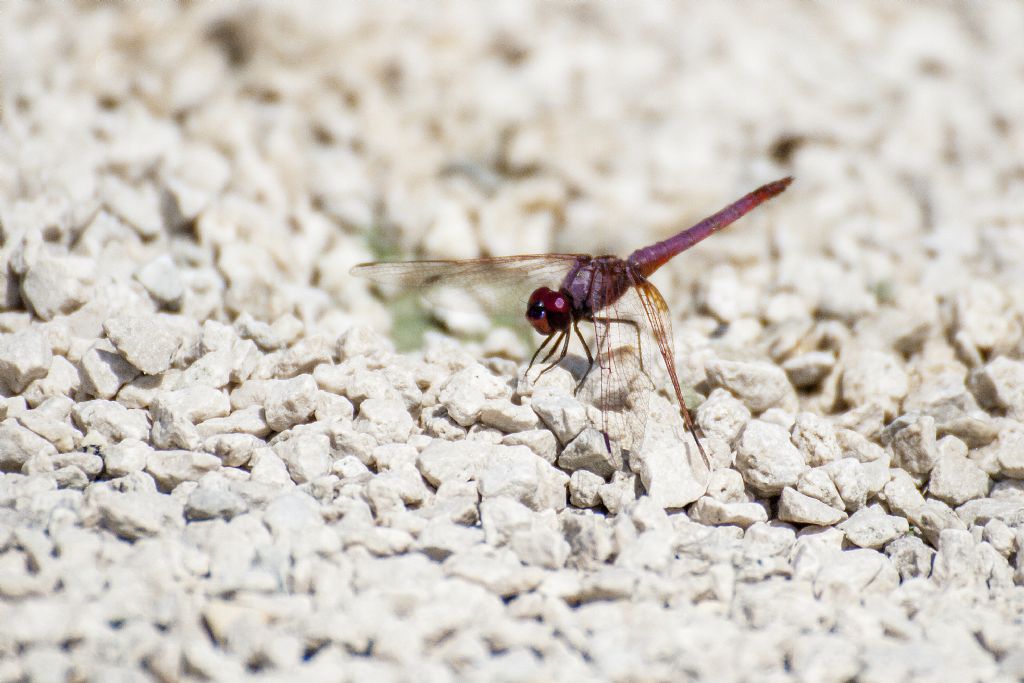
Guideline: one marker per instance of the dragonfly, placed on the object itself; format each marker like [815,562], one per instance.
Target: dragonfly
[631,321]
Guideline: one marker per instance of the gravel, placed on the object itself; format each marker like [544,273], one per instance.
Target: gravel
[215,465]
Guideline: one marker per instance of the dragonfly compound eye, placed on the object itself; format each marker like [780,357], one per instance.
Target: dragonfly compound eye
[548,311]
[536,312]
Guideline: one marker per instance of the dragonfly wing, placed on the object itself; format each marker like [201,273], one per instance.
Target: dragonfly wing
[492,272]
[657,314]
[500,286]
[620,382]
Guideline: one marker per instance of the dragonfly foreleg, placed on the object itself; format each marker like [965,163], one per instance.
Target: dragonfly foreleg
[561,355]
[539,349]
[636,328]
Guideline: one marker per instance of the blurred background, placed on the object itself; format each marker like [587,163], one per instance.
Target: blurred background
[270,146]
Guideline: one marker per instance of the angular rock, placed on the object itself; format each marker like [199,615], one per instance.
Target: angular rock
[137,515]
[441,539]
[266,467]
[500,573]
[170,468]
[1000,536]
[468,390]
[914,445]
[291,402]
[130,455]
[451,461]
[176,412]
[911,557]
[708,510]
[292,514]
[818,484]
[1000,385]
[62,379]
[873,377]
[396,489]
[767,459]
[563,415]
[502,414]
[307,456]
[212,369]
[673,474]
[331,408]
[540,547]
[162,280]
[24,356]
[18,444]
[800,509]
[870,527]
[104,371]
[385,420]
[855,445]
[722,415]
[816,438]
[806,370]
[300,358]
[619,492]
[540,441]
[955,479]
[394,455]
[52,286]
[759,386]
[144,341]
[49,420]
[726,485]
[584,489]
[1011,462]
[957,562]
[933,518]
[901,495]
[519,473]
[249,420]
[981,510]
[855,573]
[851,480]
[112,420]
[588,451]
[501,517]
[88,463]
[137,205]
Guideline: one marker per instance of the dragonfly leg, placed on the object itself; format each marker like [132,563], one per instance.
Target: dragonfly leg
[561,355]
[590,358]
[636,328]
[692,428]
[539,349]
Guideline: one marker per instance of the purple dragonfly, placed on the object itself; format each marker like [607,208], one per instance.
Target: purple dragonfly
[629,315]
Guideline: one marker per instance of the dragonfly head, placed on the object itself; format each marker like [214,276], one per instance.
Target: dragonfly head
[549,311]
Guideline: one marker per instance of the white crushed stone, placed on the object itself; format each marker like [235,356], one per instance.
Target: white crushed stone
[215,465]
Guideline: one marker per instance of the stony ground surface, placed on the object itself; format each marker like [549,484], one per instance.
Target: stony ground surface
[216,467]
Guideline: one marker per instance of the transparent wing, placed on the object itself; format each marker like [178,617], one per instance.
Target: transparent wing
[491,272]
[633,353]
[499,286]
[657,314]
[626,355]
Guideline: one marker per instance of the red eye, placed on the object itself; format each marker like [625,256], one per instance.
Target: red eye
[537,296]
[556,303]
[548,311]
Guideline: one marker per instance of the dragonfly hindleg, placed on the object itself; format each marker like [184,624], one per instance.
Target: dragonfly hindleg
[590,357]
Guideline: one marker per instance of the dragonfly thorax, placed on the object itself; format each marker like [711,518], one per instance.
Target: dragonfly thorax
[549,311]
